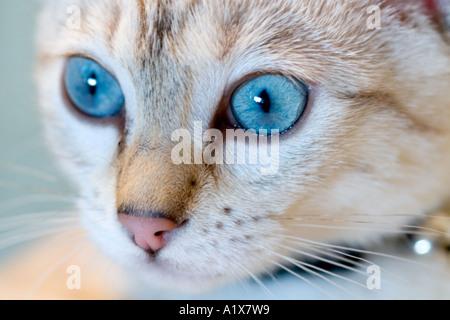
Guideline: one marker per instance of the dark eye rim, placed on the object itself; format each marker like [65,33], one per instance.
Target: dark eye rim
[76,110]
[225,118]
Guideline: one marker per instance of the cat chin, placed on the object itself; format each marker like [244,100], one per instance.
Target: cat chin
[161,273]
[163,276]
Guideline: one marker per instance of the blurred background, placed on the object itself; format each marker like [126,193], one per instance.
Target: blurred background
[24,161]
[31,186]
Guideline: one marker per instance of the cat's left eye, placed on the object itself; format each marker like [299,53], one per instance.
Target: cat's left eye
[269,102]
[92,89]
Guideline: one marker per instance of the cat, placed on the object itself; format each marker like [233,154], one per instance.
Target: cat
[354,96]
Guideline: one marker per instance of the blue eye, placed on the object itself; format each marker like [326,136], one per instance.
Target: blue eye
[270,102]
[92,89]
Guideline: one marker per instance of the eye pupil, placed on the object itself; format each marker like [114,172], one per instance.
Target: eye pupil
[92,89]
[92,84]
[263,99]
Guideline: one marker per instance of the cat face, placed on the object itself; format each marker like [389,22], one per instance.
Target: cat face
[371,143]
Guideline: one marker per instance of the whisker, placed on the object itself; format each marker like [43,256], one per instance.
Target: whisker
[307,268]
[408,227]
[19,239]
[367,252]
[244,284]
[243,280]
[29,188]
[319,258]
[20,226]
[369,263]
[302,278]
[38,216]
[29,145]
[27,228]
[99,267]
[29,171]
[339,254]
[390,231]
[34,199]
[22,9]
[53,269]
[258,281]
[360,215]
[30,231]
[335,254]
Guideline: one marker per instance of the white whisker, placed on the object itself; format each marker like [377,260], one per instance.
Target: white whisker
[302,278]
[307,268]
[34,199]
[29,171]
[339,255]
[340,216]
[19,239]
[53,268]
[319,258]
[29,188]
[384,270]
[402,228]
[258,281]
[373,229]
[37,217]
[367,252]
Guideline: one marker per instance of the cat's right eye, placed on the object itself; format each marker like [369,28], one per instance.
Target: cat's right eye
[92,89]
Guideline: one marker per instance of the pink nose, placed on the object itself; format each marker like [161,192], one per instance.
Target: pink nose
[148,232]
